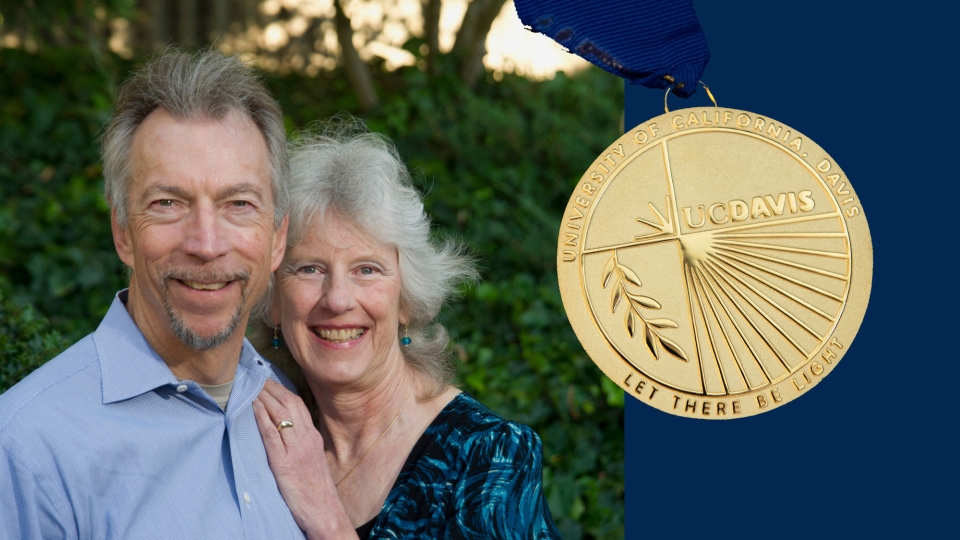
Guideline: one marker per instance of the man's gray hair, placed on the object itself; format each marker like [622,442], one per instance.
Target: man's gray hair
[191,86]
[342,171]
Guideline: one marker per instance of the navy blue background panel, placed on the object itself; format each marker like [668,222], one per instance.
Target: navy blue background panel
[870,450]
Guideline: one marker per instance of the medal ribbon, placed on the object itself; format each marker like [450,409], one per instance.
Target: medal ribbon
[656,43]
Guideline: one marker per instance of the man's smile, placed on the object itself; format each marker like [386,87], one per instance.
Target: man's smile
[204,286]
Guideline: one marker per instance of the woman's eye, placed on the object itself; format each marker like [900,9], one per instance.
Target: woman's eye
[366,270]
[309,270]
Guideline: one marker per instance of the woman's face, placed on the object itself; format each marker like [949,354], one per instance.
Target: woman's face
[339,303]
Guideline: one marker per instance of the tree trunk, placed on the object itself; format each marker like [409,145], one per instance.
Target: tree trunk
[251,14]
[357,71]
[465,34]
[470,46]
[431,23]
[219,20]
[154,24]
[187,22]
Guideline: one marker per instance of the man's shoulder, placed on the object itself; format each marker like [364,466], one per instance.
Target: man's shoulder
[67,374]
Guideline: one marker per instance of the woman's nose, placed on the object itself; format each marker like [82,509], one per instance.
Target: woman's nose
[337,295]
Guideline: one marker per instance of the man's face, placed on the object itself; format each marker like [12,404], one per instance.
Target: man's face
[200,236]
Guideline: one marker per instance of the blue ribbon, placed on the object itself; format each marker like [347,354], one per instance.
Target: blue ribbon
[656,43]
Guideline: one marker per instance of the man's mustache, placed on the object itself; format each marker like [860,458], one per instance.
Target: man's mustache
[203,275]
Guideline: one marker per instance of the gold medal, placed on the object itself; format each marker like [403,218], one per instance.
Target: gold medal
[715,263]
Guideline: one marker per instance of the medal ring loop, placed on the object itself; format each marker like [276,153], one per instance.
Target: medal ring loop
[705,87]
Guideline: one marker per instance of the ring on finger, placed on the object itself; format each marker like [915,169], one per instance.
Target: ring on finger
[284,424]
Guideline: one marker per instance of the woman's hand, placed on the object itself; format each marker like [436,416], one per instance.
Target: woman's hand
[299,464]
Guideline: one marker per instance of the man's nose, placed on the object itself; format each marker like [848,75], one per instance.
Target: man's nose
[206,234]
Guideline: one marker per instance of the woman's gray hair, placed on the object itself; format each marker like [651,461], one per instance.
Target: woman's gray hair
[339,169]
[205,84]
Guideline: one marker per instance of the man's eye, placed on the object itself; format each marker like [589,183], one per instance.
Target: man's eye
[366,270]
[165,202]
[241,204]
[309,270]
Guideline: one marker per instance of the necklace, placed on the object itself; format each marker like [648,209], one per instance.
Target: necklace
[359,461]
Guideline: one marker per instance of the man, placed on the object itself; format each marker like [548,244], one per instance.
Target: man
[144,428]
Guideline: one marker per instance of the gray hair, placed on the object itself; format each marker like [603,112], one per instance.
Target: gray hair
[342,170]
[205,84]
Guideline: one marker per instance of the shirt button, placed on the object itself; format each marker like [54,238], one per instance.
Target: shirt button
[246,497]
[182,388]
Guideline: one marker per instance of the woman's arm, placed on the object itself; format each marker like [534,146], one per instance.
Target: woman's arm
[299,465]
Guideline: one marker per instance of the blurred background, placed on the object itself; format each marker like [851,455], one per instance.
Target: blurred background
[496,123]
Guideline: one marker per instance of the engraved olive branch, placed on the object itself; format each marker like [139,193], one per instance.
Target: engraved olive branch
[649,327]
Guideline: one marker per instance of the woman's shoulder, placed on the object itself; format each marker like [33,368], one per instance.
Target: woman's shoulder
[472,428]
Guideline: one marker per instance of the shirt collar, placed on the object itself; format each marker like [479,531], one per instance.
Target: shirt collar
[130,367]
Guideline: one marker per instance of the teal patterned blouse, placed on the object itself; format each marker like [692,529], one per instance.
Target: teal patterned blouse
[471,475]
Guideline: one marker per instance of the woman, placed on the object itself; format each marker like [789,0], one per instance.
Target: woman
[398,452]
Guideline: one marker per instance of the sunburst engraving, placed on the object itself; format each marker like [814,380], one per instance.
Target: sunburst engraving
[750,302]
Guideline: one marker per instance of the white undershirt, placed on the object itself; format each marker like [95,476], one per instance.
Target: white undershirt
[219,392]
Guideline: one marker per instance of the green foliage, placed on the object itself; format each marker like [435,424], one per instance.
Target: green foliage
[26,340]
[497,165]
[56,249]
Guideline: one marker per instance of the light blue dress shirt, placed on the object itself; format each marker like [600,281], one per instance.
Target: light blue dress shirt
[103,442]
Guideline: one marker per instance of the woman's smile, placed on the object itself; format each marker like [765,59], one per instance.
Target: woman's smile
[339,338]
[341,335]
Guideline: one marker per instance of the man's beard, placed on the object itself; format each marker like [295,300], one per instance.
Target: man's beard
[186,334]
